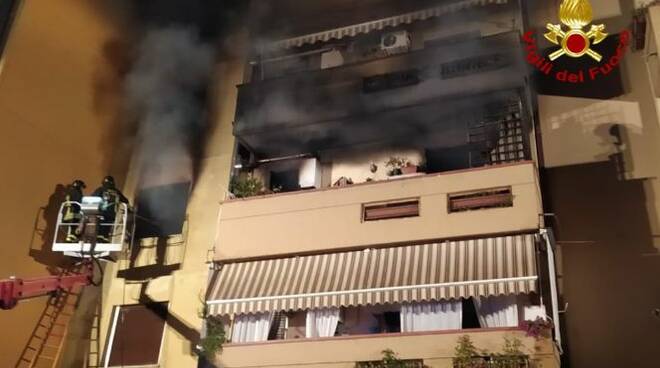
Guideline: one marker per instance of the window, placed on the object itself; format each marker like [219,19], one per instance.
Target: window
[392,80]
[390,210]
[136,335]
[162,210]
[278,326]
[491,198]
[391,322]
[285,180]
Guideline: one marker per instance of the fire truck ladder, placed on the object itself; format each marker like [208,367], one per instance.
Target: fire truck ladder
[93,354]
[45,345]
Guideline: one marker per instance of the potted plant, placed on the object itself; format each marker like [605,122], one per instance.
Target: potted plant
[246,186]
[409,168]
[400,166]
[538,328]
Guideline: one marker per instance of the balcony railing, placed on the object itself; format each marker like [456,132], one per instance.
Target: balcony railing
[407,363]
[495,361]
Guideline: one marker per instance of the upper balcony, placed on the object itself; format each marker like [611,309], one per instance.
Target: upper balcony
[425,95]
[418,207]
[432,349]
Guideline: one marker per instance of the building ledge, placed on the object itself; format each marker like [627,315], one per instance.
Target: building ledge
[379,182]
[376,336]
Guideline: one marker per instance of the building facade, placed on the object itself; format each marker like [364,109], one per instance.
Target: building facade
[385,190]
[390,176]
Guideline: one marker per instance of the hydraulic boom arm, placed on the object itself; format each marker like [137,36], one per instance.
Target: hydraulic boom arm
[14,289]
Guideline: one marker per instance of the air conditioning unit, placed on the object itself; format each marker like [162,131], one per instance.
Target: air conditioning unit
[395,42]
[310,174]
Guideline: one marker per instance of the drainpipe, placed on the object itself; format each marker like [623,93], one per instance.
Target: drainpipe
[549,238]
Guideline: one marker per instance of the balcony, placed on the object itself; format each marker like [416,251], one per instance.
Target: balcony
[419,95]
[434,349]
[488,200]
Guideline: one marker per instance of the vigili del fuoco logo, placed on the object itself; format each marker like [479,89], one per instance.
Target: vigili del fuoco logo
[576,43]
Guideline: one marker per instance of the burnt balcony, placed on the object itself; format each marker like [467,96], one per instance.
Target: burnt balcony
[428,95]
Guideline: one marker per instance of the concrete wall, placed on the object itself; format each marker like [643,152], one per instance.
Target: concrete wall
[610,269]
[436,349]
[183,278]
[576,130]
[59,94]
[605,199]
[332,218]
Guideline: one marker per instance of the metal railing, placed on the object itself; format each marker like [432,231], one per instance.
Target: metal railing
[405,363]
[495,361]
[69,234]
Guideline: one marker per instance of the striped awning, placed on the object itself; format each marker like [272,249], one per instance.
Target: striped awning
[366,27]
[443,270]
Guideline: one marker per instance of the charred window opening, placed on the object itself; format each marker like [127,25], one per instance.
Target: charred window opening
[491,198]
[284,181]
[478,64]
[161,210]
[391,210]
[390,81]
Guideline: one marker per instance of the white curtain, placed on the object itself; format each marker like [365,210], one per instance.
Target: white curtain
[431,316]
[497,311]
[321,322]
[251,327]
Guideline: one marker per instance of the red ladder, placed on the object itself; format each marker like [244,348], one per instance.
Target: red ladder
[45,345]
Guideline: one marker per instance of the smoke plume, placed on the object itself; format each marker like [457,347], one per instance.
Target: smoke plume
[171,71]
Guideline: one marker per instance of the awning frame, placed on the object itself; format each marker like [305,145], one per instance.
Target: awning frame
[443,270]
[379,24]
[394,288]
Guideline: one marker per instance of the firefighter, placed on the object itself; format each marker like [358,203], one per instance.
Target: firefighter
[72,216]
[112,197]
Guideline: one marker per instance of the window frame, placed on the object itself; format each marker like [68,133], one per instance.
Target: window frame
[484,199]
[391,206]
[111,337]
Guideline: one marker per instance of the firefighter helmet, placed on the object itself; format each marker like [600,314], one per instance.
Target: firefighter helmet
[78,184]
[109,182]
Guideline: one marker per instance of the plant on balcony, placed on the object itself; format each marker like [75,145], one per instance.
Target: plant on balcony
[391,360]
[511,356]
[538,328]
[399,165]
[211,343]
[466,354]
[247,186]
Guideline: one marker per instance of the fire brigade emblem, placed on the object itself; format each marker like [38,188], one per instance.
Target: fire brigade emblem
[575,14]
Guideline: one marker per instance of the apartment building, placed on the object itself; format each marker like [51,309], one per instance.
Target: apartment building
[383,176]
[385,190]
